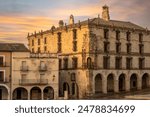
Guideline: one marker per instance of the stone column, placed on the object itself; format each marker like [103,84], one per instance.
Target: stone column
[42,96]
[10,95]
[66,97]
[116,86]
[104,85]
[93,85]
[28,95]
[127,83]
[139,84]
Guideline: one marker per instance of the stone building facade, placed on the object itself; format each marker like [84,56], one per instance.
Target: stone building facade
[35,76]
[5,58]
[7,51]
[26,76]
[98,55]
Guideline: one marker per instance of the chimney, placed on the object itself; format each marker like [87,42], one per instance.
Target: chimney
[105,13]
[71,20]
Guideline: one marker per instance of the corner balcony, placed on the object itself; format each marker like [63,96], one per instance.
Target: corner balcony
[33,81]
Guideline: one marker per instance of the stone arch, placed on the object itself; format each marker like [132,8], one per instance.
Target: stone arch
[4,92]
[20,93]
[145,81]
[133,82]
[35,93]
[122,78]
[66,88]
[98,83]
[48,93]
[110,83]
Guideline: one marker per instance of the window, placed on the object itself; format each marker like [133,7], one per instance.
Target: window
[39,50]
[106,47]
[42,76]
[23,63]
[23,76]
[59,42]
[118,47]
[74,63]
[74,34]
[1,75]
[32,42]
[74,40]
[106,62]
[117,35]
[128,36]
[45,40]
[32,50]
[60,62]
[45,48]
[106,33]
[74,45]
[140,37]
[128,63]
[65,63]
[118,62]
[73,77]
[141,48]
[1,61]
[38,41]
[42,63]
[24,66]
[141,63]
[43,66]
[89,63]
[128,48]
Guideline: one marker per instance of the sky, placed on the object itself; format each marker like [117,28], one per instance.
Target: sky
[18,17]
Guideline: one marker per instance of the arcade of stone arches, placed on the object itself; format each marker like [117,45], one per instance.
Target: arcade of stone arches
[121,83]
[21,93]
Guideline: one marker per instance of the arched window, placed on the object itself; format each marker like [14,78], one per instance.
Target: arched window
[89,63]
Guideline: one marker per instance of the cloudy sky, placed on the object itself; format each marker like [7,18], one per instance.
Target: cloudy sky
[18,17]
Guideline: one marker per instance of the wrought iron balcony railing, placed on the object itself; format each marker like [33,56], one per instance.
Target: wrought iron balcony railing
[33,81]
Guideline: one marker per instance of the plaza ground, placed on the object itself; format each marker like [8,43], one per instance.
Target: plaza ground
[132,95]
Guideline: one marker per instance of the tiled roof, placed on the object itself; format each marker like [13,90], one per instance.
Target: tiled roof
[98,21]
[13,47]
[121,24]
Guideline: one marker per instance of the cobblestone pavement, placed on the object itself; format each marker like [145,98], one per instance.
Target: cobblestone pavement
[133,95]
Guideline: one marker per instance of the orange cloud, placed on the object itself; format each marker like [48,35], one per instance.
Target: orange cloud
[17,28]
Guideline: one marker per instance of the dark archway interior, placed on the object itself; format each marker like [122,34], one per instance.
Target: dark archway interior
[98,83]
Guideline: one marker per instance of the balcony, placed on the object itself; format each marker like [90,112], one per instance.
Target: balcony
[24,68]
[43,55]
[33,81]
[43,68]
